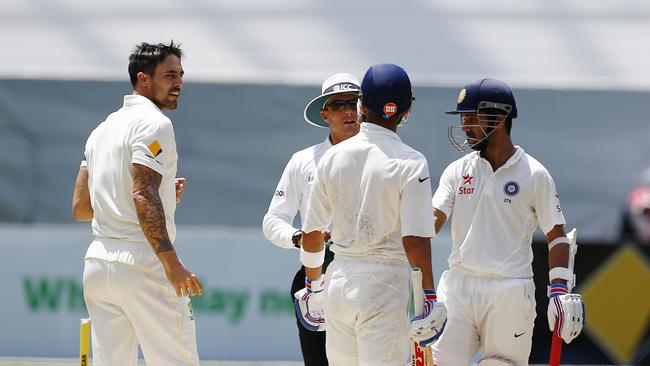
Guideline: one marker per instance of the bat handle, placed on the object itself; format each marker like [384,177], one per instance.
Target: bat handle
[556,347]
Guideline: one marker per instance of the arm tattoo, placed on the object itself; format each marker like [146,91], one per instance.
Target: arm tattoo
[149,208]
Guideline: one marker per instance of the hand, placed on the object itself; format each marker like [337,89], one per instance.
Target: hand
[327,236]
[427,327]
[180,186]
[570,308]
[185,282]
[309,304]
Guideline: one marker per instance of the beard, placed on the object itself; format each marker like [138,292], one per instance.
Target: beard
[483,143]
[480,145]
[166,103]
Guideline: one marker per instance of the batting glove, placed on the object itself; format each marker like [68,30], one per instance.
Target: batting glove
[309,304]
[426,328]
[565,309]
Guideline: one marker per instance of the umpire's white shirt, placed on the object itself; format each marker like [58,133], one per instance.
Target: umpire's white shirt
[374,189]
[137,133]
[291,195]
[496,213]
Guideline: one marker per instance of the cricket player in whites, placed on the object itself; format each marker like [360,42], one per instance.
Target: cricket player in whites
[375,191]
[135,287]
[335,109]
[498,195]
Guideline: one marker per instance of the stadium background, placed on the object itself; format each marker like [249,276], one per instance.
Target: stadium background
[578,69]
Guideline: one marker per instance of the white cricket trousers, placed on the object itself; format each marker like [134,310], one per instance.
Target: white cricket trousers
[497,314]
[129,305]
[366,311]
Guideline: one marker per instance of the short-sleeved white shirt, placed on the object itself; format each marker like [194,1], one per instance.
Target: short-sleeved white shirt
[496,213]
[374,189]
[291,195]
[137,133]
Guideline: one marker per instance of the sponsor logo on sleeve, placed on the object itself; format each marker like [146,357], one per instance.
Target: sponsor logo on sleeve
[155,148]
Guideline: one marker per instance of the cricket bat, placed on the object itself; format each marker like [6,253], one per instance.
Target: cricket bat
[420,356]
[84,342]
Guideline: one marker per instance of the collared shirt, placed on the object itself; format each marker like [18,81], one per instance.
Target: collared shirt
[374,189]
[137,133]
[496,213]
[291,195]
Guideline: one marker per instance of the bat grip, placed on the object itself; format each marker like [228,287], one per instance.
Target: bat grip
[556,347]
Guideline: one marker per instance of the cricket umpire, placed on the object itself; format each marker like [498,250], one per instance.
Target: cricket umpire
[336,110]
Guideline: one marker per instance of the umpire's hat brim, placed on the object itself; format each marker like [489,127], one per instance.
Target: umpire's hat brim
[335,84]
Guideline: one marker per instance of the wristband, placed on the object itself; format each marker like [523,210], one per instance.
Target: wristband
[430,294]
[556,289]
[315,285]
[312,260]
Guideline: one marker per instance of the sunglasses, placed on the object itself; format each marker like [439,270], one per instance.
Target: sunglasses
[340,105]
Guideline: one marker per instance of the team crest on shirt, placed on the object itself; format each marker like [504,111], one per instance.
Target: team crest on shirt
[511,188]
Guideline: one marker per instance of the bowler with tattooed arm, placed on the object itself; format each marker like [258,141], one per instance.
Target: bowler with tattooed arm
[135,287]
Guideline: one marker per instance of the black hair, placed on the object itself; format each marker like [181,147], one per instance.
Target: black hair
[371,116]
[145,57]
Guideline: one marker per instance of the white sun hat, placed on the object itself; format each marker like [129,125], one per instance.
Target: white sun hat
[335,84]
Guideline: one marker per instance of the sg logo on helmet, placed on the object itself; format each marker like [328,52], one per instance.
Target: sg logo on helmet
[390,109]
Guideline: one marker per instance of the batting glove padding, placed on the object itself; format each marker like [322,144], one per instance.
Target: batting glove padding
[309,305]
[426,328]
[567,310]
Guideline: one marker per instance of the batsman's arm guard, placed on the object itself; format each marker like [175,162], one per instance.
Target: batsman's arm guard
[565,309]
[565,273]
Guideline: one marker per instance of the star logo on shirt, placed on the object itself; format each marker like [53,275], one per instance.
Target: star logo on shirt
[467,179]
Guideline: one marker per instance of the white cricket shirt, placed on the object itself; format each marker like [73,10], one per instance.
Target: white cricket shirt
[374,189]
[137,133]
[496,213]
[291,195]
